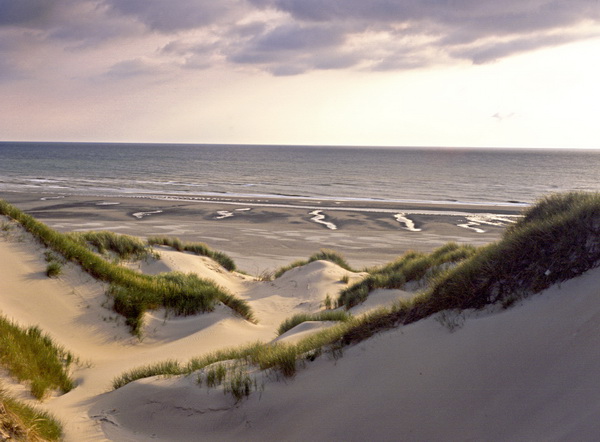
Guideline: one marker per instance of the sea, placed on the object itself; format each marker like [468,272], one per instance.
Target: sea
[431,175]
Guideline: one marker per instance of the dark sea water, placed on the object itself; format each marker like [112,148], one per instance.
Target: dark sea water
[478,176]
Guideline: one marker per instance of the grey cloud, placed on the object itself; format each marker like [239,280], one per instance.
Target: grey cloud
[493,51]
[292,49]
[286,70]
[335,61]
[24,12]
[287,37]
[133,68]
[298,38]
[169,16]
[478,30]
[439,11]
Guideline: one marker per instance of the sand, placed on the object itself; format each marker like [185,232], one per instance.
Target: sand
[265,234]
[74,310]
[526,373]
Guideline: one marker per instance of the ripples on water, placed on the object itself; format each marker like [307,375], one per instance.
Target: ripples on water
[463,175]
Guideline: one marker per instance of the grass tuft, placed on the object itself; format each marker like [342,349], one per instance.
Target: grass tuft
[546,246]
[327,315]
[196,248]
[53,269]
[133,292]
[33,357]
[165,368]
[322,255]
[411,267]
[19,421]
[124,246]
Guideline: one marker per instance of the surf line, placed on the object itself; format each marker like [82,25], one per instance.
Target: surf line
[408,223]
[318,217]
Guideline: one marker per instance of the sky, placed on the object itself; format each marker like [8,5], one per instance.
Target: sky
[465,73]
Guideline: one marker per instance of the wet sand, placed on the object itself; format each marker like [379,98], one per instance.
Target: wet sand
[262,234]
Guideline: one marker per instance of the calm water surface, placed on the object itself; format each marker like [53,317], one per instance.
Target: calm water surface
[478,176]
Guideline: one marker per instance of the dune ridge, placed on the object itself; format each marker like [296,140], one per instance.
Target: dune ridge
[489,362]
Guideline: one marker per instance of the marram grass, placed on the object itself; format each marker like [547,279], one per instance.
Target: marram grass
[552,243]
[411,267]
[299,318]
[281,357]
[21,422]
[123,246]
[134,293]
[196,248]
[322,255]
[33,357]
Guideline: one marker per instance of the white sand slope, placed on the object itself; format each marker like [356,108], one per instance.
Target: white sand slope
[527,373]
[74,310]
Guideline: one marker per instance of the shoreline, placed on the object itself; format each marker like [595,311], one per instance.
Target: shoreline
[265,233]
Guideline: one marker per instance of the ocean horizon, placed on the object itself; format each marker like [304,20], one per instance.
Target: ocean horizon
[485,176]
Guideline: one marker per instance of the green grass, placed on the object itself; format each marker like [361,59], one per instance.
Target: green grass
[196,248]
[239,385]
[124,246]
[411,267]
[53,269]
[54,264]
[22,422]
[552,243]
[322,255]
[280,357]
[327,315]
[215,375]
[5,228]
[134,293]
[33,357]
[557,239]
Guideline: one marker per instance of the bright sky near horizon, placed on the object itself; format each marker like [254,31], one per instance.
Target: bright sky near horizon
[511,73]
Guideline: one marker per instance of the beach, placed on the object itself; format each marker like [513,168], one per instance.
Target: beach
[262,234]
[476,373]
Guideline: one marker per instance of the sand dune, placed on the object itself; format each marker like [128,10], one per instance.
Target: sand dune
[74,310]
[526,373]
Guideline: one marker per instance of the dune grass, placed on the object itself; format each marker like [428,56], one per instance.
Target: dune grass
[21,422]
[31,356]
[54,264]
[280,357]
[327,315]
[53,269]
[196,248]
[411,267]
[134,293]
[124,246]
[557,239]
[322,255]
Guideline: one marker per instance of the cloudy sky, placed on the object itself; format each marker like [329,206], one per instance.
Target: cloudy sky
[515,73]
